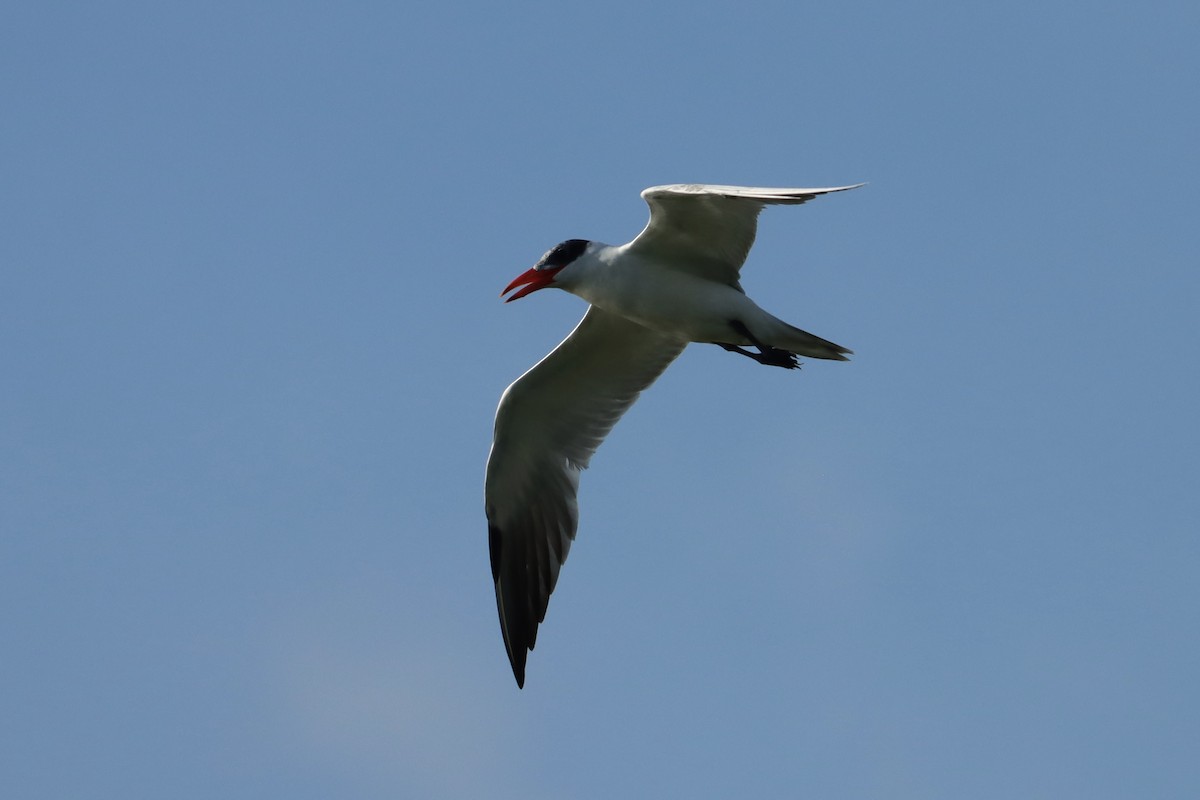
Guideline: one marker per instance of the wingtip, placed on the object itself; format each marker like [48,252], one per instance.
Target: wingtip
[516,650]
[516,657]
[833,189]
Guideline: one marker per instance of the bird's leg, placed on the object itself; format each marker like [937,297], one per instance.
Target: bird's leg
[770,356]
[733,348]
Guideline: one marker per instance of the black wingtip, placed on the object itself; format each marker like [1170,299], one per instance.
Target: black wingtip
[517,650]
[516,657]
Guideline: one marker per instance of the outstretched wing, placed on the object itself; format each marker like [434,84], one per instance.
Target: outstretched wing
[708,230]
[548,425]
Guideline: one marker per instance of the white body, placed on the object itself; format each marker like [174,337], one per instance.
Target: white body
[678,303]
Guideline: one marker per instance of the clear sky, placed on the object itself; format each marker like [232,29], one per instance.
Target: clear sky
[251,346]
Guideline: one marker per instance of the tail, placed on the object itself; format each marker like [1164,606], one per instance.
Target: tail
[802,343]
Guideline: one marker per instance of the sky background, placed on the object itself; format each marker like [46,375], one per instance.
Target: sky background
[251,346]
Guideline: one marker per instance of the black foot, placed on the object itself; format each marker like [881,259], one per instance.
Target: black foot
[770,356]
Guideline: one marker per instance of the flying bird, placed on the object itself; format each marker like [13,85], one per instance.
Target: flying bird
[676,283]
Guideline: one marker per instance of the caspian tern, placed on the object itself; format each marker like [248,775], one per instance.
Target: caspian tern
[676,283]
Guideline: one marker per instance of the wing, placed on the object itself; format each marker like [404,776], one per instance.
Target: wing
[708,230]
[548,425]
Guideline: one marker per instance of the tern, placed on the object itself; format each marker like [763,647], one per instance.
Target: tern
[676,283]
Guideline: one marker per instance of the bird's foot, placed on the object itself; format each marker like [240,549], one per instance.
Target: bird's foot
[774,357]
[769,356]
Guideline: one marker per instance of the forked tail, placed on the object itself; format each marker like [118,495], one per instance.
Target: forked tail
[803,343]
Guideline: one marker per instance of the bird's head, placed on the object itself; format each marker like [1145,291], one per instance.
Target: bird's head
[542,274]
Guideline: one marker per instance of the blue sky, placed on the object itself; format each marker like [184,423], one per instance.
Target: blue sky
[253,345]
